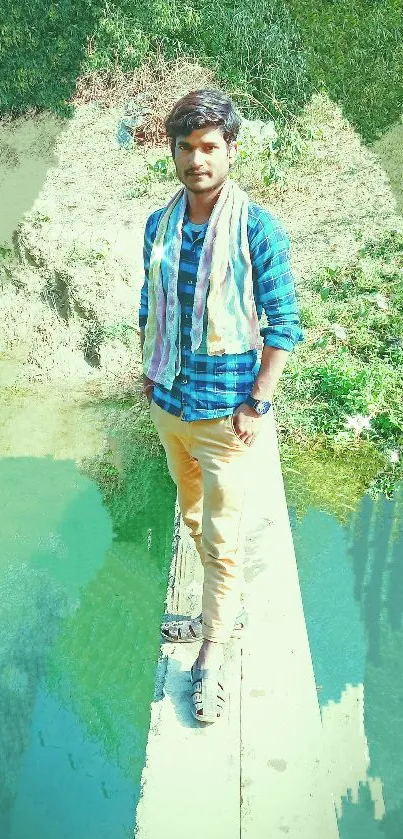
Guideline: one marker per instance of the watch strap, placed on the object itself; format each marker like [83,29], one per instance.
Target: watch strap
[260,406]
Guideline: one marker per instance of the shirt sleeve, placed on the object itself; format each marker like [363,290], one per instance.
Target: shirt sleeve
[273,285]
[147,246]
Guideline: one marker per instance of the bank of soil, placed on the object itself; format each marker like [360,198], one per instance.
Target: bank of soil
[71,296]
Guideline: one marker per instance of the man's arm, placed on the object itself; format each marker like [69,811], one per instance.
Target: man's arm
[274,291]
[272,365]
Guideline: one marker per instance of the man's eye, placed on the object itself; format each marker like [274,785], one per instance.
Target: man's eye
[184,148]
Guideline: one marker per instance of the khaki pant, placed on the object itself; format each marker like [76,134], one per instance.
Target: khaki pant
[209,465]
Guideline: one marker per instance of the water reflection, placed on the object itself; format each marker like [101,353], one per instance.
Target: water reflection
[82,585]
[351,579]
[32,606]
[83,573]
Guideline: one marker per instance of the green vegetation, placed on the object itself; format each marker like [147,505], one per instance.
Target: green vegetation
[354,50]
[278,56]
[330,480]
[344,384]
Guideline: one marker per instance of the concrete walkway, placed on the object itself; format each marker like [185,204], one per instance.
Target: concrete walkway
[260,771]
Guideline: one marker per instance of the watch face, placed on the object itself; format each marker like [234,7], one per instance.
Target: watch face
[261,407]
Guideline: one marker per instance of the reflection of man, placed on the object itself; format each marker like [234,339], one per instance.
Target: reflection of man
[213,260]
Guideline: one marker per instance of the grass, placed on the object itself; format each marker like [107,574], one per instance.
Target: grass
[279,56]
[354,50]
[344,384]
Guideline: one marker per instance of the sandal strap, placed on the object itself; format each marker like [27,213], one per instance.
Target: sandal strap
[208,694]
[191,629]
[183,629]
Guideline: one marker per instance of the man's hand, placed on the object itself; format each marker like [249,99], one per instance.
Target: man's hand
[148,386]
[247,423]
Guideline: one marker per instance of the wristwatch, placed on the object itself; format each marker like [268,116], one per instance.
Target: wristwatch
[258,405]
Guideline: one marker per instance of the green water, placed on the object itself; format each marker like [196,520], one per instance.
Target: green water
[351,576]
[85,548]
[83,575]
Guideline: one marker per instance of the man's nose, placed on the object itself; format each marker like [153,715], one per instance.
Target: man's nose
[196,159]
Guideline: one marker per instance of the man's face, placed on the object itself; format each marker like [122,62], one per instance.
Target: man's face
[203,159]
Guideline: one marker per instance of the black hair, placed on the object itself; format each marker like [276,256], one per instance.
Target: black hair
[202,109]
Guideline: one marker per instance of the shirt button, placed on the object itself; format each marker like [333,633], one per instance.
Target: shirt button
[185,380]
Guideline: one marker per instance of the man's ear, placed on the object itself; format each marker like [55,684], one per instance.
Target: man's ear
[232,152]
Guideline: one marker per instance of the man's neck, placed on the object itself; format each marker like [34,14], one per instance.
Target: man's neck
[200,205]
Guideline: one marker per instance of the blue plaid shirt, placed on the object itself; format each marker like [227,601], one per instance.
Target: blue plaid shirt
[213,386]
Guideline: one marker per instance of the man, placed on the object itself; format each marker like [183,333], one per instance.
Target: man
[213,260]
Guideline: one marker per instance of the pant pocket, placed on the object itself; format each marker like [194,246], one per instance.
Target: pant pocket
[232,427]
